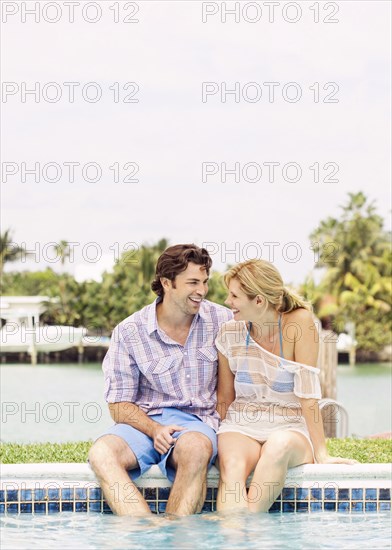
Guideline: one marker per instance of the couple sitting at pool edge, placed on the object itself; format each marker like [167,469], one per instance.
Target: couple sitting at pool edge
[187,380]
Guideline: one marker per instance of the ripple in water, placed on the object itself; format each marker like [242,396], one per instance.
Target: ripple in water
[206,531]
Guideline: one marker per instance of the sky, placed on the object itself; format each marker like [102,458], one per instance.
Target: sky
[179,97]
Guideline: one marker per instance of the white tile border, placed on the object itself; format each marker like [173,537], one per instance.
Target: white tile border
[309,475]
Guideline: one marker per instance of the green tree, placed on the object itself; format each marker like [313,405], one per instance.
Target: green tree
[30,283]
[9,250]
[355,252]
[128,288]
[63,251]
[217,291]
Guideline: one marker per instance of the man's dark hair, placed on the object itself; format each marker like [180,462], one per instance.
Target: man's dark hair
[175,259]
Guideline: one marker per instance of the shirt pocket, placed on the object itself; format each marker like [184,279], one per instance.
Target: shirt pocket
[207,354]
[162,374]
[205,374]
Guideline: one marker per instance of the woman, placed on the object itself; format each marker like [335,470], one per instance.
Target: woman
[268,388]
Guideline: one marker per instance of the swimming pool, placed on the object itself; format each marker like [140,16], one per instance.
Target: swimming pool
[208,530]
[324,506]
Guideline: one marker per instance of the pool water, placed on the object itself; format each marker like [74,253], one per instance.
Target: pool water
[210,531]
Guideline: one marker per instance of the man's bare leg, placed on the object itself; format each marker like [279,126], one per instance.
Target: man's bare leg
[190,457]
[110,458]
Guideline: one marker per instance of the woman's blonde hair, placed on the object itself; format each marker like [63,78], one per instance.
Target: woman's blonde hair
[259,277]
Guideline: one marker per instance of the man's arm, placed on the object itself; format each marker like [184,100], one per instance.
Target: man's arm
[122,386]
[131,414]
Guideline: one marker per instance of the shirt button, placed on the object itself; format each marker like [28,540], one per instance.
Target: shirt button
[185,353]
[188,376]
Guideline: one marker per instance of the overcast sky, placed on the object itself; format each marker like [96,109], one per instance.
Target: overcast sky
[330,110]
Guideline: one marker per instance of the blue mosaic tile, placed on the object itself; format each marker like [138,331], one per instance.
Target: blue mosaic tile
[385,494]
[67,494]
[39,494]
[80,506]
[207,507]
[330,494]
[161,507]
[12,496]
[275,507]
[2,496]
[106,508]
[150,494]
[295,499]
[371,494]
[153,506]
[26,495]
[26,508]
[54,494]
[39,508]
[95,493]
[279,497]
[302,494]
[343,494]
[356,494]
[94,506]
[288,493]
[53,507]
[316,494]
[343,507]
[163,493]
[357,506]
[12,508]
[316,506]
[107,511]
[210,494]
[80,494]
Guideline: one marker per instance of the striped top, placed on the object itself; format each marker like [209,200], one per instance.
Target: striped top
[262,377]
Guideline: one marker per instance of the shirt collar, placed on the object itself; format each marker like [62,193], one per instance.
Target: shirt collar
[152,323]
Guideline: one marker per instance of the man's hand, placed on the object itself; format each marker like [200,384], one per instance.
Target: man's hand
[162,437]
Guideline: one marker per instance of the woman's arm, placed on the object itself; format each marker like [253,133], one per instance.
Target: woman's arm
[225,392]
[314,422]
[306,349]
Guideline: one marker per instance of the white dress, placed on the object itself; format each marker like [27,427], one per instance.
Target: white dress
[267,387]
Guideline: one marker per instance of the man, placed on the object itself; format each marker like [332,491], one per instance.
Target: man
[160,377]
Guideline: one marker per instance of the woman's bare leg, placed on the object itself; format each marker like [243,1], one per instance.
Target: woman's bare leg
[283,450]
[238,455]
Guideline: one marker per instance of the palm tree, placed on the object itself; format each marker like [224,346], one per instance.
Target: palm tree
[9,250]
[354,250]
[62,251]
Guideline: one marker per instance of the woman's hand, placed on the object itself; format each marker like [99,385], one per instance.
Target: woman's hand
[327,459]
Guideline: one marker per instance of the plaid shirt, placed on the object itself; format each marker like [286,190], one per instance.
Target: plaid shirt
[146,367]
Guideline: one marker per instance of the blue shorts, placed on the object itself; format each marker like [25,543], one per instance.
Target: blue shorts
[143,446]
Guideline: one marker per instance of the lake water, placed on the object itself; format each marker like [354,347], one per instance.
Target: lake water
[61,403]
